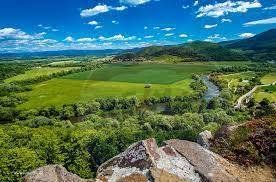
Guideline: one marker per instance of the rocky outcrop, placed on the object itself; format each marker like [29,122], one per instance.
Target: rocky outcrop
[52,173]
[144,161]
[210,165]
[204,138]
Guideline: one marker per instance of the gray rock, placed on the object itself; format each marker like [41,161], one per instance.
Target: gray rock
[211,166]
[52,173]
[143,160]
[204,139]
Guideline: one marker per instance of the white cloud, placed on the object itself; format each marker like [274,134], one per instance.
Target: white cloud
[270,8]
[222,9]
[168,29]
[190,40]
[196,3]
[183,35]
[185,7]
[148,36]
[93,22]
[156,28]
[223,20]
[55,30]
[134,2]
[85,40]
[246,35]
[120,8]
[69,39]
[261,22]
[11,33]
[107,43]
[98,27]
[118,37]
[100,9]
[215,37]
[169,34]
[115,22]
[145,27]
[210,26]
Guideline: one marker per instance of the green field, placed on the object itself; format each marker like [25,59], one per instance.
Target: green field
[268,92]
[142,73]
[237,79]
[37,72]
[269,78]
[118,80]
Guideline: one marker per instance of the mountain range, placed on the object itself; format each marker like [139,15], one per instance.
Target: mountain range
[260,47]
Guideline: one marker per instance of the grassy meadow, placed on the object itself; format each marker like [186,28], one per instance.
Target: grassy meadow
[37,72]
[117,80]
[268,92]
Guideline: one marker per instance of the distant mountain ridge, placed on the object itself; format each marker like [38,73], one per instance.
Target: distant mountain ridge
[265,41]
[260,47]
[106,52]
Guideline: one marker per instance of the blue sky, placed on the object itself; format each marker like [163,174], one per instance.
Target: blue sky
[37,25]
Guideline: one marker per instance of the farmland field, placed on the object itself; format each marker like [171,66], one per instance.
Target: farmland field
[117,80]
[37,72]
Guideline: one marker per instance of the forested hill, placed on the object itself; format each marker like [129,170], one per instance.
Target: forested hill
[195,51]
[261,47]
[262,42]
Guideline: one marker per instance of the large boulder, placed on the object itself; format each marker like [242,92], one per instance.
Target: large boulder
[204,138]
[211,166]
[52,173]
[144,161]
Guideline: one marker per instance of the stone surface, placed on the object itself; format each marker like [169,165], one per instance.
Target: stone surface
[204,139]
[160,175]
[144,161]
[210,165]
[141,157]
[52,173]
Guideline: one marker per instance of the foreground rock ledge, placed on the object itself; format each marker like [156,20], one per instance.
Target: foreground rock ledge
[176,161]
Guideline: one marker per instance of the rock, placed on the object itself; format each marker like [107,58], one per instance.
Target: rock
[143,159]
[52,173]
[204,139]
[211,166]
[160,175]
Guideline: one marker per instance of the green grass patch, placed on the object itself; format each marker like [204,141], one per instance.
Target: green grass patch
[142,73]
[65,91]
[37,72]
[268,92]
[117,80]
[237,79]
[168,59]
[269,78]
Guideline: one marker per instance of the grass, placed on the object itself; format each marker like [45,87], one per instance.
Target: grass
[65,91]
[167,59]
[63,63]
[269,78]
[117,80]
[268,92]
[37,72]
[237,79]
[142,73]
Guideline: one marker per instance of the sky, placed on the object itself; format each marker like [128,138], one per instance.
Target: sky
[47,25]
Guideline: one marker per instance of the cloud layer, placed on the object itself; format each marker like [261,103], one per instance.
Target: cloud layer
[222,9]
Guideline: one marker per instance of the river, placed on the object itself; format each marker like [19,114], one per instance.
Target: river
[213,90]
